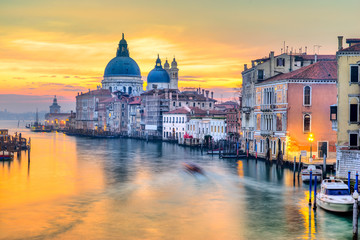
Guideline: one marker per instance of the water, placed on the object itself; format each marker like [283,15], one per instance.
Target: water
[80,188]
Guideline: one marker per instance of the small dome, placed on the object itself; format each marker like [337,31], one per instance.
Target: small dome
[122,66]
[166,64]
[174,63]
[158,74]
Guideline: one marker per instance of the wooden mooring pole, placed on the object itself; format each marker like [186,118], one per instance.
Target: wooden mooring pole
[355,215]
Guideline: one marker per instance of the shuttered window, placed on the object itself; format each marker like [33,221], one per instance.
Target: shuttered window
[354,112]
[353,140]
[354,74]
[306,123]
[307,92]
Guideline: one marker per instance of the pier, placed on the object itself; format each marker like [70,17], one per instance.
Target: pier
[11,144]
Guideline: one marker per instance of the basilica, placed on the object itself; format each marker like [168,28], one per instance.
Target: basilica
[122,74]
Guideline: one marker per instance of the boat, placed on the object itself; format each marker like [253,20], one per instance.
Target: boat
[335,196]
[215,151]
[316,171]
[6,156]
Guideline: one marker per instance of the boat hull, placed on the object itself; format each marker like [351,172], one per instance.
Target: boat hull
[334,207]
[306,177]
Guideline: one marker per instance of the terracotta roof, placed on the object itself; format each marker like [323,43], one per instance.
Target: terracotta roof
[111,99]
[353,48]
[182,110]
[319,57]
[323,70]
[97,92]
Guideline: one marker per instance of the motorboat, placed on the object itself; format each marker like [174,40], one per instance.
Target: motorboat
[316,171]
[193,168]
[215,151]
[6,156]
[335,196]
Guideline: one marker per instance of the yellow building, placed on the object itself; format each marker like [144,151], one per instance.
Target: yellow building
[347,116]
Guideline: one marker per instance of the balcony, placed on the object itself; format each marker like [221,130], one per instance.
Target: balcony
[246,110]
[266,133]
[267,107]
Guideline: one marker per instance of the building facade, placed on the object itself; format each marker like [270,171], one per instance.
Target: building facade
[261,70]
[290,107]
[347,111]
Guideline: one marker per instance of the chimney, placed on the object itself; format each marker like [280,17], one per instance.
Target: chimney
[203,92]
[212,94]
[272,63]
[207,95]
[252,63]
[245,67]
[340,42]
[315,57]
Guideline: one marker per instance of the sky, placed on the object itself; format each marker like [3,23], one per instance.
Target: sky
[61,48]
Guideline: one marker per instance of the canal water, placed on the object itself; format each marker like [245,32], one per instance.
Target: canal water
[82,188]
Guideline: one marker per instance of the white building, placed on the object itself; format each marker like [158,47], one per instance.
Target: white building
[174,124]
[207,123]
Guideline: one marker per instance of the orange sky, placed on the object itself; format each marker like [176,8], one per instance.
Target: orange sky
[62,47]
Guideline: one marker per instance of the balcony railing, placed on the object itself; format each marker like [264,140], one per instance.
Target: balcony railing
[266,133]
[246,109]
[267,107]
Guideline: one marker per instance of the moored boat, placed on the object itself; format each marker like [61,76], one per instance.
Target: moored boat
[6,156]
[335,196]
[316,171]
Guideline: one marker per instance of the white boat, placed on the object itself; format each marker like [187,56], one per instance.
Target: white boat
[316,171]
[335,196]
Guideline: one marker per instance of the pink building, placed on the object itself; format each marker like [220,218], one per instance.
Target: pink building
[291,106]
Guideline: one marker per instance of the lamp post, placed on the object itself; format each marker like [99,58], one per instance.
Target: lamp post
[311,139]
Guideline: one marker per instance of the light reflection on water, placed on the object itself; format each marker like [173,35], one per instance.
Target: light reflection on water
[129,189]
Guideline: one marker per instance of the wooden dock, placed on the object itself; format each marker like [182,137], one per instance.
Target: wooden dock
[11,144]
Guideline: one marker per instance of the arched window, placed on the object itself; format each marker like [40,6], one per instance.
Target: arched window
[130,90]
[307,96]
[307,123]
[124,89]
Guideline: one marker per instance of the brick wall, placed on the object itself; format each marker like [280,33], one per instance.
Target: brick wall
[347,160]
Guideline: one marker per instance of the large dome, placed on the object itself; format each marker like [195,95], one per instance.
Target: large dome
[122,66]
[158,74]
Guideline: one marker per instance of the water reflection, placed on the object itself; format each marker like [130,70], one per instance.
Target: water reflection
[128,189]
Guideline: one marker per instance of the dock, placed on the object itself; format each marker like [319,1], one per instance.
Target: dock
[11,144]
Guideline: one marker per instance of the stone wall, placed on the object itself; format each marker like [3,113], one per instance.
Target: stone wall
[347,160]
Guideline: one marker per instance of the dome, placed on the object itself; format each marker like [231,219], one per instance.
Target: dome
[122,66]
[158,74]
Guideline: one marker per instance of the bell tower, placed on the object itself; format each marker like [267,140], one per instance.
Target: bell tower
[174,75]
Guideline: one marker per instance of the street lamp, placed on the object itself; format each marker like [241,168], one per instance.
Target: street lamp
[311,139]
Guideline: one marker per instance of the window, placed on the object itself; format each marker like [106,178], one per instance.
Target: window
[260,74]
[354,112]
[194,104]
[307,96]
[280,62]
[353,139]
[209,104]
[322,149]
[306,123]
[354,74]
[174,104]
[179,104]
